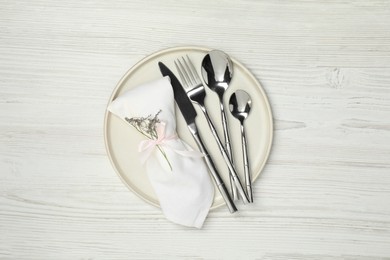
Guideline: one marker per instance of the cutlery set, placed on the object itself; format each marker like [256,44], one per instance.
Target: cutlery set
[217,72]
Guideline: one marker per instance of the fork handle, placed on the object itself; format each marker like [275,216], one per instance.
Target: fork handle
[214,173]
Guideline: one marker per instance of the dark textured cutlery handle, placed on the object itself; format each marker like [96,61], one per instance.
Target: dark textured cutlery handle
[214,173]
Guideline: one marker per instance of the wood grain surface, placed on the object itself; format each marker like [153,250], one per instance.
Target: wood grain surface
[324,193]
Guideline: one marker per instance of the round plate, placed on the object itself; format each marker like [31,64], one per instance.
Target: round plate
[122,141]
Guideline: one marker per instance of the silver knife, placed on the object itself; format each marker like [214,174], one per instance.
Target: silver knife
[189,114]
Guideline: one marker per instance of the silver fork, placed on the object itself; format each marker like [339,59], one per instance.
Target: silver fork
[197,94]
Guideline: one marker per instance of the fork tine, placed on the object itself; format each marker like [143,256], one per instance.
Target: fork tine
[189,70]
[194,73]
[183,79]
[184,72]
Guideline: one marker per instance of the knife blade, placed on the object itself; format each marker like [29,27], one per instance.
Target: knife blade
[181,98]
[188,111]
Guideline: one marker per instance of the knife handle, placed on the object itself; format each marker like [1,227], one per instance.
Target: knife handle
[214,173]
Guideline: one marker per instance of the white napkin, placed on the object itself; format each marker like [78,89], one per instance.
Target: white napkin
[186,192]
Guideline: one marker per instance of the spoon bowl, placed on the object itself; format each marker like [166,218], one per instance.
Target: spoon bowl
[240,104]
[217,71]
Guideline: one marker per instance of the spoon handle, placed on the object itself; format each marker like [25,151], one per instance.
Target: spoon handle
[228,147]
[248,179]
[232,171]
[214,173]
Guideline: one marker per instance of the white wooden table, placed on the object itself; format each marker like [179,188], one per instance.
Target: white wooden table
[324,193]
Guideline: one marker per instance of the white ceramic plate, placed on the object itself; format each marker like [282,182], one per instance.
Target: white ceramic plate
[122,140]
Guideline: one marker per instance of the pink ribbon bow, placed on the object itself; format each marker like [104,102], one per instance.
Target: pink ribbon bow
[146,147]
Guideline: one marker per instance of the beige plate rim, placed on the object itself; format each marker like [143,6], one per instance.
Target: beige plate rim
[140,63]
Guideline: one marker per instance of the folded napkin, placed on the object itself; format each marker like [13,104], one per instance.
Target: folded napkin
[177,173]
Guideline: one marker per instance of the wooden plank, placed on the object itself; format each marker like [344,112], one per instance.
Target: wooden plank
[325,66]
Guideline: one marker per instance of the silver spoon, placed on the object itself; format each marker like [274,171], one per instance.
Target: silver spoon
[217,72]
[240,105]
